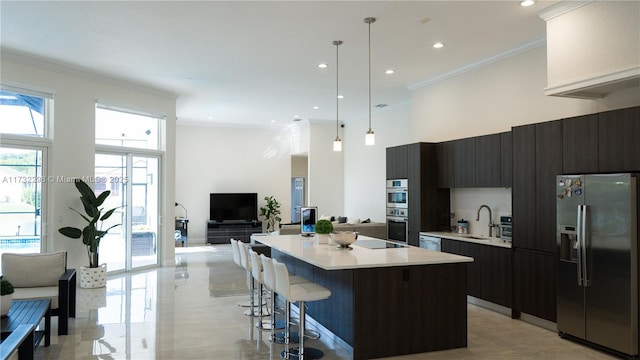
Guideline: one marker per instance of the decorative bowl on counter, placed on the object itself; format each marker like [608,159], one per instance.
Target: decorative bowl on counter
[343,238]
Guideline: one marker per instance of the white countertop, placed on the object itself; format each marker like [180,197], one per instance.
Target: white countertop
[485,240]
[330,257]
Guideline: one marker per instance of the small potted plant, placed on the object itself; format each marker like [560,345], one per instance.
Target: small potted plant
[95,275]
[323,228]
[271,213]
[6,293]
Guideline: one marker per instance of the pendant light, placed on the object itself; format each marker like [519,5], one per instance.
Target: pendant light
[370,137]
[337,143]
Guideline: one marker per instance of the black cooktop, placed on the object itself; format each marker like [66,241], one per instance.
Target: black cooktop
[379,244]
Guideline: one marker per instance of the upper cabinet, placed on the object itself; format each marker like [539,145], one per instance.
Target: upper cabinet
[580,140]
[464,162]
[488,161]
[506,159]
[482,161]
[619,140]
[397,165]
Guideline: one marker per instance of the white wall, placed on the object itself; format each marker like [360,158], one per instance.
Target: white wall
[230,159]
[72,152]
[326,169]
[365,166]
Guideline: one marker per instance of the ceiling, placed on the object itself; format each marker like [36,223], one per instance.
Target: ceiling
[256,62]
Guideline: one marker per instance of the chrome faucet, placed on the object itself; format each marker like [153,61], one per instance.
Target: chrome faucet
[491,224]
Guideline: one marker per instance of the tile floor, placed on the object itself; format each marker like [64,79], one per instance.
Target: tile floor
[182,313]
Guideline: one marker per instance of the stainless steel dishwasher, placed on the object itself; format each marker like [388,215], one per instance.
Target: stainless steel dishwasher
[430,242]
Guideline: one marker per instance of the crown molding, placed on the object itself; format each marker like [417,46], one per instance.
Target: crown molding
[561,8]
[540,41]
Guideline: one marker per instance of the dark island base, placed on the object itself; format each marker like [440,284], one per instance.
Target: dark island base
[389,311]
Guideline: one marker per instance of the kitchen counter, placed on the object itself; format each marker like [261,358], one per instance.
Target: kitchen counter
[384,301]
[329,257]
[484,240]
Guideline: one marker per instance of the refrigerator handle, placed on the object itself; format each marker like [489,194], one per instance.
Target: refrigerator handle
[585,238]
[579,244]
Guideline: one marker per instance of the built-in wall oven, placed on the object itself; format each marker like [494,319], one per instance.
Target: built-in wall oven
[397,193]
[397,226]
[397,210]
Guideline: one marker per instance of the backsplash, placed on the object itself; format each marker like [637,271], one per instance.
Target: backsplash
[465,203]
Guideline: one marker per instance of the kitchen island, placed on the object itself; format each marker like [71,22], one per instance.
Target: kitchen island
[384,301]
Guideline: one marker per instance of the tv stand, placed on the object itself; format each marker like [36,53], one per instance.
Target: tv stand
[220,232]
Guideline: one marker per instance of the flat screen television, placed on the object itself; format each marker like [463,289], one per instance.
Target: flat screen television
[308,220]
[233,207]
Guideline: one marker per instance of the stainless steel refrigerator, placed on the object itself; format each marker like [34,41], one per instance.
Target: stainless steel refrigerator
[597,294]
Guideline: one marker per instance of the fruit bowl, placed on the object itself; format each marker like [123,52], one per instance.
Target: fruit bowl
[343,238]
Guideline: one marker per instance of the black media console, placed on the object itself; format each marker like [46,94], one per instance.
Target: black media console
[220,232]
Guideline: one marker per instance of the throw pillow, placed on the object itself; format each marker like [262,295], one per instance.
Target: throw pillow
[342,219]
[354,221]
[324,217]
[366,221]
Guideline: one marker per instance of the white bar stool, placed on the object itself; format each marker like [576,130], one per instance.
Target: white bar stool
[256,271]
[246,263]
[236,259]
[270,282]
[300,293]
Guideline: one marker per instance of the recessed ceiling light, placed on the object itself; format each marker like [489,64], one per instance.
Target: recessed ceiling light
[527,3]
[323,66]
[316,107]
[390,71]
[210,117]
[340,96]
[438,45]
[273,121]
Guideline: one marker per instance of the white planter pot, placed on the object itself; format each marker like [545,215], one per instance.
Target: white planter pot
[6,301]
[91,278]
[322,238]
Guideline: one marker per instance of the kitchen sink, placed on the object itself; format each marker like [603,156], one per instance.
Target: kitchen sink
[477,237]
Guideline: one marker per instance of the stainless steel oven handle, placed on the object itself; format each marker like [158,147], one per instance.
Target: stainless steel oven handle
[398,219]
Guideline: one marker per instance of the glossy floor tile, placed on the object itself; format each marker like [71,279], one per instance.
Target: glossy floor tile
[191,312]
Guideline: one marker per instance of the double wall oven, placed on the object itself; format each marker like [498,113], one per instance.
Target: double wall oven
[398,210]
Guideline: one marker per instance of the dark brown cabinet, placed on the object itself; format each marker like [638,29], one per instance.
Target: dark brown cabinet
[619,140]
[464,162]
[537,160]
[397,162]
[489,276]
[535,284]
[221,233]
[506,159]
[444,152]
[579,145]
[524,186]
[548,165]
[428,205]
[483,161]
[488,161]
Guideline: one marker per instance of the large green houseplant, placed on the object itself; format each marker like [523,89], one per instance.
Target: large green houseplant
[94,215]
[271,213]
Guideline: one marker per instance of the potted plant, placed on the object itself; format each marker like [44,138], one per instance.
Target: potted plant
[323,228]
[95,275]
[270,212]
[6,293]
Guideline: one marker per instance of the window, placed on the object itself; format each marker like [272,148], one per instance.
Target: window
[126,129]
[22,114]
[23,175]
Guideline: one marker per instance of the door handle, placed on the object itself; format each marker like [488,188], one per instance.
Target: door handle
[585,247]
[579,244]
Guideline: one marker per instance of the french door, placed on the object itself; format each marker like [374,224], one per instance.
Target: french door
[133,179]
